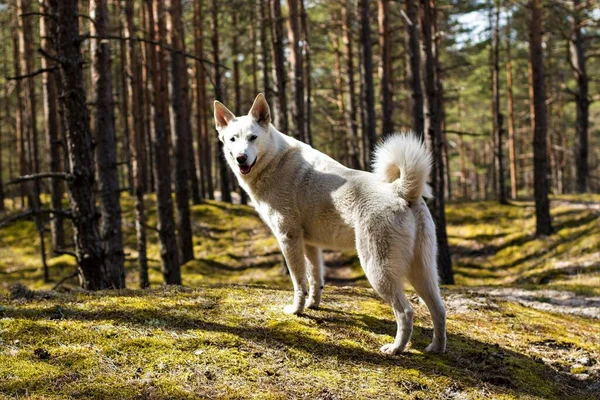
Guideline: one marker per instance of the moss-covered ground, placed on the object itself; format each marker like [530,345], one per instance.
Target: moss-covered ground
[224,335]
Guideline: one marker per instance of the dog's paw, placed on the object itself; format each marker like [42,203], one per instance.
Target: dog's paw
[391,349]
[435,348]
[312,304]
[292,309]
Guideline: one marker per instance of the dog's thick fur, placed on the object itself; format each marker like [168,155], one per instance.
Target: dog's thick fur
[312,202]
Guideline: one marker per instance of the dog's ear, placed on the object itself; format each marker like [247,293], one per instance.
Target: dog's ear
[222,115]
[260,111]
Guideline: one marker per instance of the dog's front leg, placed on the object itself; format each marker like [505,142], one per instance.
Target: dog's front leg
[293,250]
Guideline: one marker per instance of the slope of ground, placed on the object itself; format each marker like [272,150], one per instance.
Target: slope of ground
[522,320]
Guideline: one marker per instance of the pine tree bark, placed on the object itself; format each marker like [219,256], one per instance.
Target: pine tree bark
[385,68]
[53,142]
[577,59]
[512,154]
[432,113]
[204,145]
[160,142]
[296,69]
[106,149]
[367,77]
[146,93]
[280,106]
[263,18]
[236,84]
[413,66]
[135,101]
[351,107]
[307,74]
[180,129]
[88,244]
[539,120]
[223,168]
[498,117]
[19,118]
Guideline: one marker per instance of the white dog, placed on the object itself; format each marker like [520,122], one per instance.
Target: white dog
[312,202]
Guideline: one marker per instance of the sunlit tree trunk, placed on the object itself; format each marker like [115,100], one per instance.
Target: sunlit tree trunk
[106,151]
[367,77]
[351,111]
[279,106]
[539,120]
[135,100]
[511,113]
[432,110]
[498,117]
[413,65]
[160,142]
[180,129]
[53,142]
[385,68]
[223,169]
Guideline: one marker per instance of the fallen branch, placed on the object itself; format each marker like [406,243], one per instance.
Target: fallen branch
[15,217]
[25,178]
[61,252]
[31,75]
[66,278]
[461,133]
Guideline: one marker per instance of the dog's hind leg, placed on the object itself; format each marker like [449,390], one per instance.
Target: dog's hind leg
[314,270]
[292,246]
[385,260]
[423,276]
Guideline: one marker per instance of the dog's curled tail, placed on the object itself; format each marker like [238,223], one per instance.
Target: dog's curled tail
[403,160]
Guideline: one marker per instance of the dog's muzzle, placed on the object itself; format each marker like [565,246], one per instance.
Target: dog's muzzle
[245,168]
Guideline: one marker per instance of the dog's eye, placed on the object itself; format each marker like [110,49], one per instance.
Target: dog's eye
[253,138]
[232,139]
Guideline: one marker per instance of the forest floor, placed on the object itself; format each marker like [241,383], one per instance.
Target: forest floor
[523,317]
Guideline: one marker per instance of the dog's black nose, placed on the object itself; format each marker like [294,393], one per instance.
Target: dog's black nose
[241,158]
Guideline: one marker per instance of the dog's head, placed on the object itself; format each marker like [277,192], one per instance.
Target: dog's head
[244,138]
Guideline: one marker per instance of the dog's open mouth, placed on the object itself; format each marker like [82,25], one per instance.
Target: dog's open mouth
[245,169]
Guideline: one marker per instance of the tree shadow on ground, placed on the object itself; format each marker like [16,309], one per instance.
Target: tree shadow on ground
[470,362]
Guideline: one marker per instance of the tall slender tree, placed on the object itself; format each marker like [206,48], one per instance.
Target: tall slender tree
[296,61]
[135,101]
[432,111]
[53,142]
[306,51]
[577,60]
[88,245]
[539,119]
[262,11]
[351,107]
[180,129]
[160,142]
[413,65]
[204,143]
[279,106]
[497,114]
[369,136]
[511,112]
[223,168]
[385,68]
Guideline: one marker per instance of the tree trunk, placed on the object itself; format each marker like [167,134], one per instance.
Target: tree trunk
[351,112]
[106,149]
[19,118]
[511,113]
[432,110]
[497,115]
[135,100]
[180,129]
[223,168]
[263,14]
[160,143]
[539,120]
[236,84]
[296,68]
[88,245]
[53,142]
[307,74]
[280,106]
[577,60]
[385,68]
[204,148]
[413,66]
[367,76]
